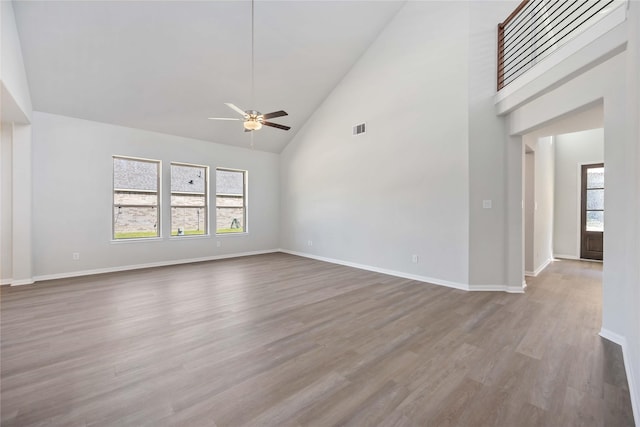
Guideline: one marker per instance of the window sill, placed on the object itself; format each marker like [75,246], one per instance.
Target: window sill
[137,240]
[190,236]
[244,233]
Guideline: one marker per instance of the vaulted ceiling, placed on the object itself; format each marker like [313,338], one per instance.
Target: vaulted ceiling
[167,66]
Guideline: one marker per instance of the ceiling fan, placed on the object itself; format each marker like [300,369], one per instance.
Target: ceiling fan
[254,120]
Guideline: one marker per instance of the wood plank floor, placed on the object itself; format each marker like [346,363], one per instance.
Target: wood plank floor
[278,340]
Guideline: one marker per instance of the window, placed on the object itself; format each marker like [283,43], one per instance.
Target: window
[592,212]
[189,213]
[136,198]
[594,196]
[231,203]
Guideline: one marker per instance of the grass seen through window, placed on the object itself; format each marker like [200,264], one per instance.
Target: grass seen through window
[189,233]
[135,234]
[230,230]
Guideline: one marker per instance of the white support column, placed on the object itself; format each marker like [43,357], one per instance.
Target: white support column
[22,206]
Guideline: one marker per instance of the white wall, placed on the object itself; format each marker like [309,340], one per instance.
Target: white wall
[22,205]
[6,207]
[488,246]
[72,198]
[529,209]
[544,203]
[572,150]
[415,183]
[12,72]
[401,188]
[631,320]
[538,203]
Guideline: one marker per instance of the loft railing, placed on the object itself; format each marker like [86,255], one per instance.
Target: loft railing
[538,27]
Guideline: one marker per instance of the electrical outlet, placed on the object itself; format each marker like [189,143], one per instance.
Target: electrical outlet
[218,243]
[309,242]
[414,258]
[75,256]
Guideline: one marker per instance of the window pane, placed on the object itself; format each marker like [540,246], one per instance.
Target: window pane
[230,201]
[229,182]
[595,199]
[235,201]
[130,174]
[595,221]
[595,178]
[135,222]
[229,220]
[187,200]
[188,221]
[133,198]
[188,179]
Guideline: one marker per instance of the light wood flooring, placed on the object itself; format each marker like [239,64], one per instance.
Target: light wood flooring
[278,340]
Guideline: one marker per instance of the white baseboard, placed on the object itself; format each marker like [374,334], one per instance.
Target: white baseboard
[628,368]
[396,273]
[576,258]
[431,280]
[539,269]
[4,282]
[613,337]
[564,256]
[147,265]
[22,282]
[498,288]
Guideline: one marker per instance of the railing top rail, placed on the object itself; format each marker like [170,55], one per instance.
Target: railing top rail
[514,13]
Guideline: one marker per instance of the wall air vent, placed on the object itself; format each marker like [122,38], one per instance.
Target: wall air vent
[359,129]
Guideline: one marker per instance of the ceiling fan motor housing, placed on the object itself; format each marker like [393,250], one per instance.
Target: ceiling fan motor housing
[253,120]
[254,115]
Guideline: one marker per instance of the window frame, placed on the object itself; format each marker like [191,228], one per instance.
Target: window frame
[245,203]
[158,205]
[207,222]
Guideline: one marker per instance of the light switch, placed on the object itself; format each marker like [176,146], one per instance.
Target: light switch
[486,204]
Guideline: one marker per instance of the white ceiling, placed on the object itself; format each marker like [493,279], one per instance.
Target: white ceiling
[167,66]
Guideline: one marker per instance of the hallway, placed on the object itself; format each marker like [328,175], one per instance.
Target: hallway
[590,368]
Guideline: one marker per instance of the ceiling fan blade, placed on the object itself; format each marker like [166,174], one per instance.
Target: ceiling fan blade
[276,125]
[274,114]
[236,109]
[222,118]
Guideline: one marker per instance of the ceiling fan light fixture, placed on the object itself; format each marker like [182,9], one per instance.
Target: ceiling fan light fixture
[254,120]
[252,125]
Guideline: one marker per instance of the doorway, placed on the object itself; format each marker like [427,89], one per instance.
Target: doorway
[592,212]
